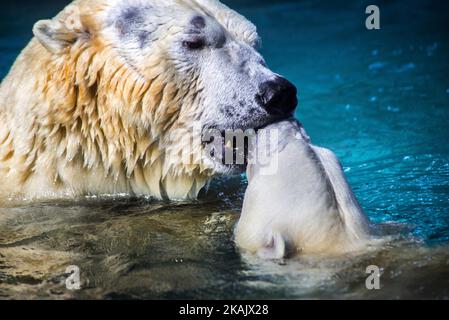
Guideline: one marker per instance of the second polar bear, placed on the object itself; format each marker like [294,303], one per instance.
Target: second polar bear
[306,206]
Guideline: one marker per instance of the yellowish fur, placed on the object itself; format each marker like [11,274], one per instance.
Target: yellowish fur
[83,122]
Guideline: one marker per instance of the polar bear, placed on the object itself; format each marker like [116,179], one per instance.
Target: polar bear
[91,104]
[305,206]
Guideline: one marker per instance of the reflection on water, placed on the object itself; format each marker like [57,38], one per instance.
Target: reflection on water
[380,100]
[138,249]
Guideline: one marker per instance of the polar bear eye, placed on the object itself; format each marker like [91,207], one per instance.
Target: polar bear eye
[194,44]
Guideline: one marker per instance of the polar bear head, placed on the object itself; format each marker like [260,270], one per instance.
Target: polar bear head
[162,65]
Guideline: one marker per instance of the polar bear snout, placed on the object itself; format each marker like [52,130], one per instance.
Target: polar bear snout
[278,97]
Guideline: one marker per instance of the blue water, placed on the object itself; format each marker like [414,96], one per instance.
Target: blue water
[379,99]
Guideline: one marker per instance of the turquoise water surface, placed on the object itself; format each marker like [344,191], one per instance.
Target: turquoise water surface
[379,99]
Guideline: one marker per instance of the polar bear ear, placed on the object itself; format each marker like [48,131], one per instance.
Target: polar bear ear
[234,22]
[59,33]
[54,35]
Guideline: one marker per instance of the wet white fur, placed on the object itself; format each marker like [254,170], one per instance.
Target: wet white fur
[307,206]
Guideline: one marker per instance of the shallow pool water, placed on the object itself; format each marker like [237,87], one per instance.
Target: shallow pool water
[379,99]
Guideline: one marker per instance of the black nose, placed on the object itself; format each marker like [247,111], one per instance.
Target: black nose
[278,97]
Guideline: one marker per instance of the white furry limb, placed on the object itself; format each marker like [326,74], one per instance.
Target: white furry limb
[307,201]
